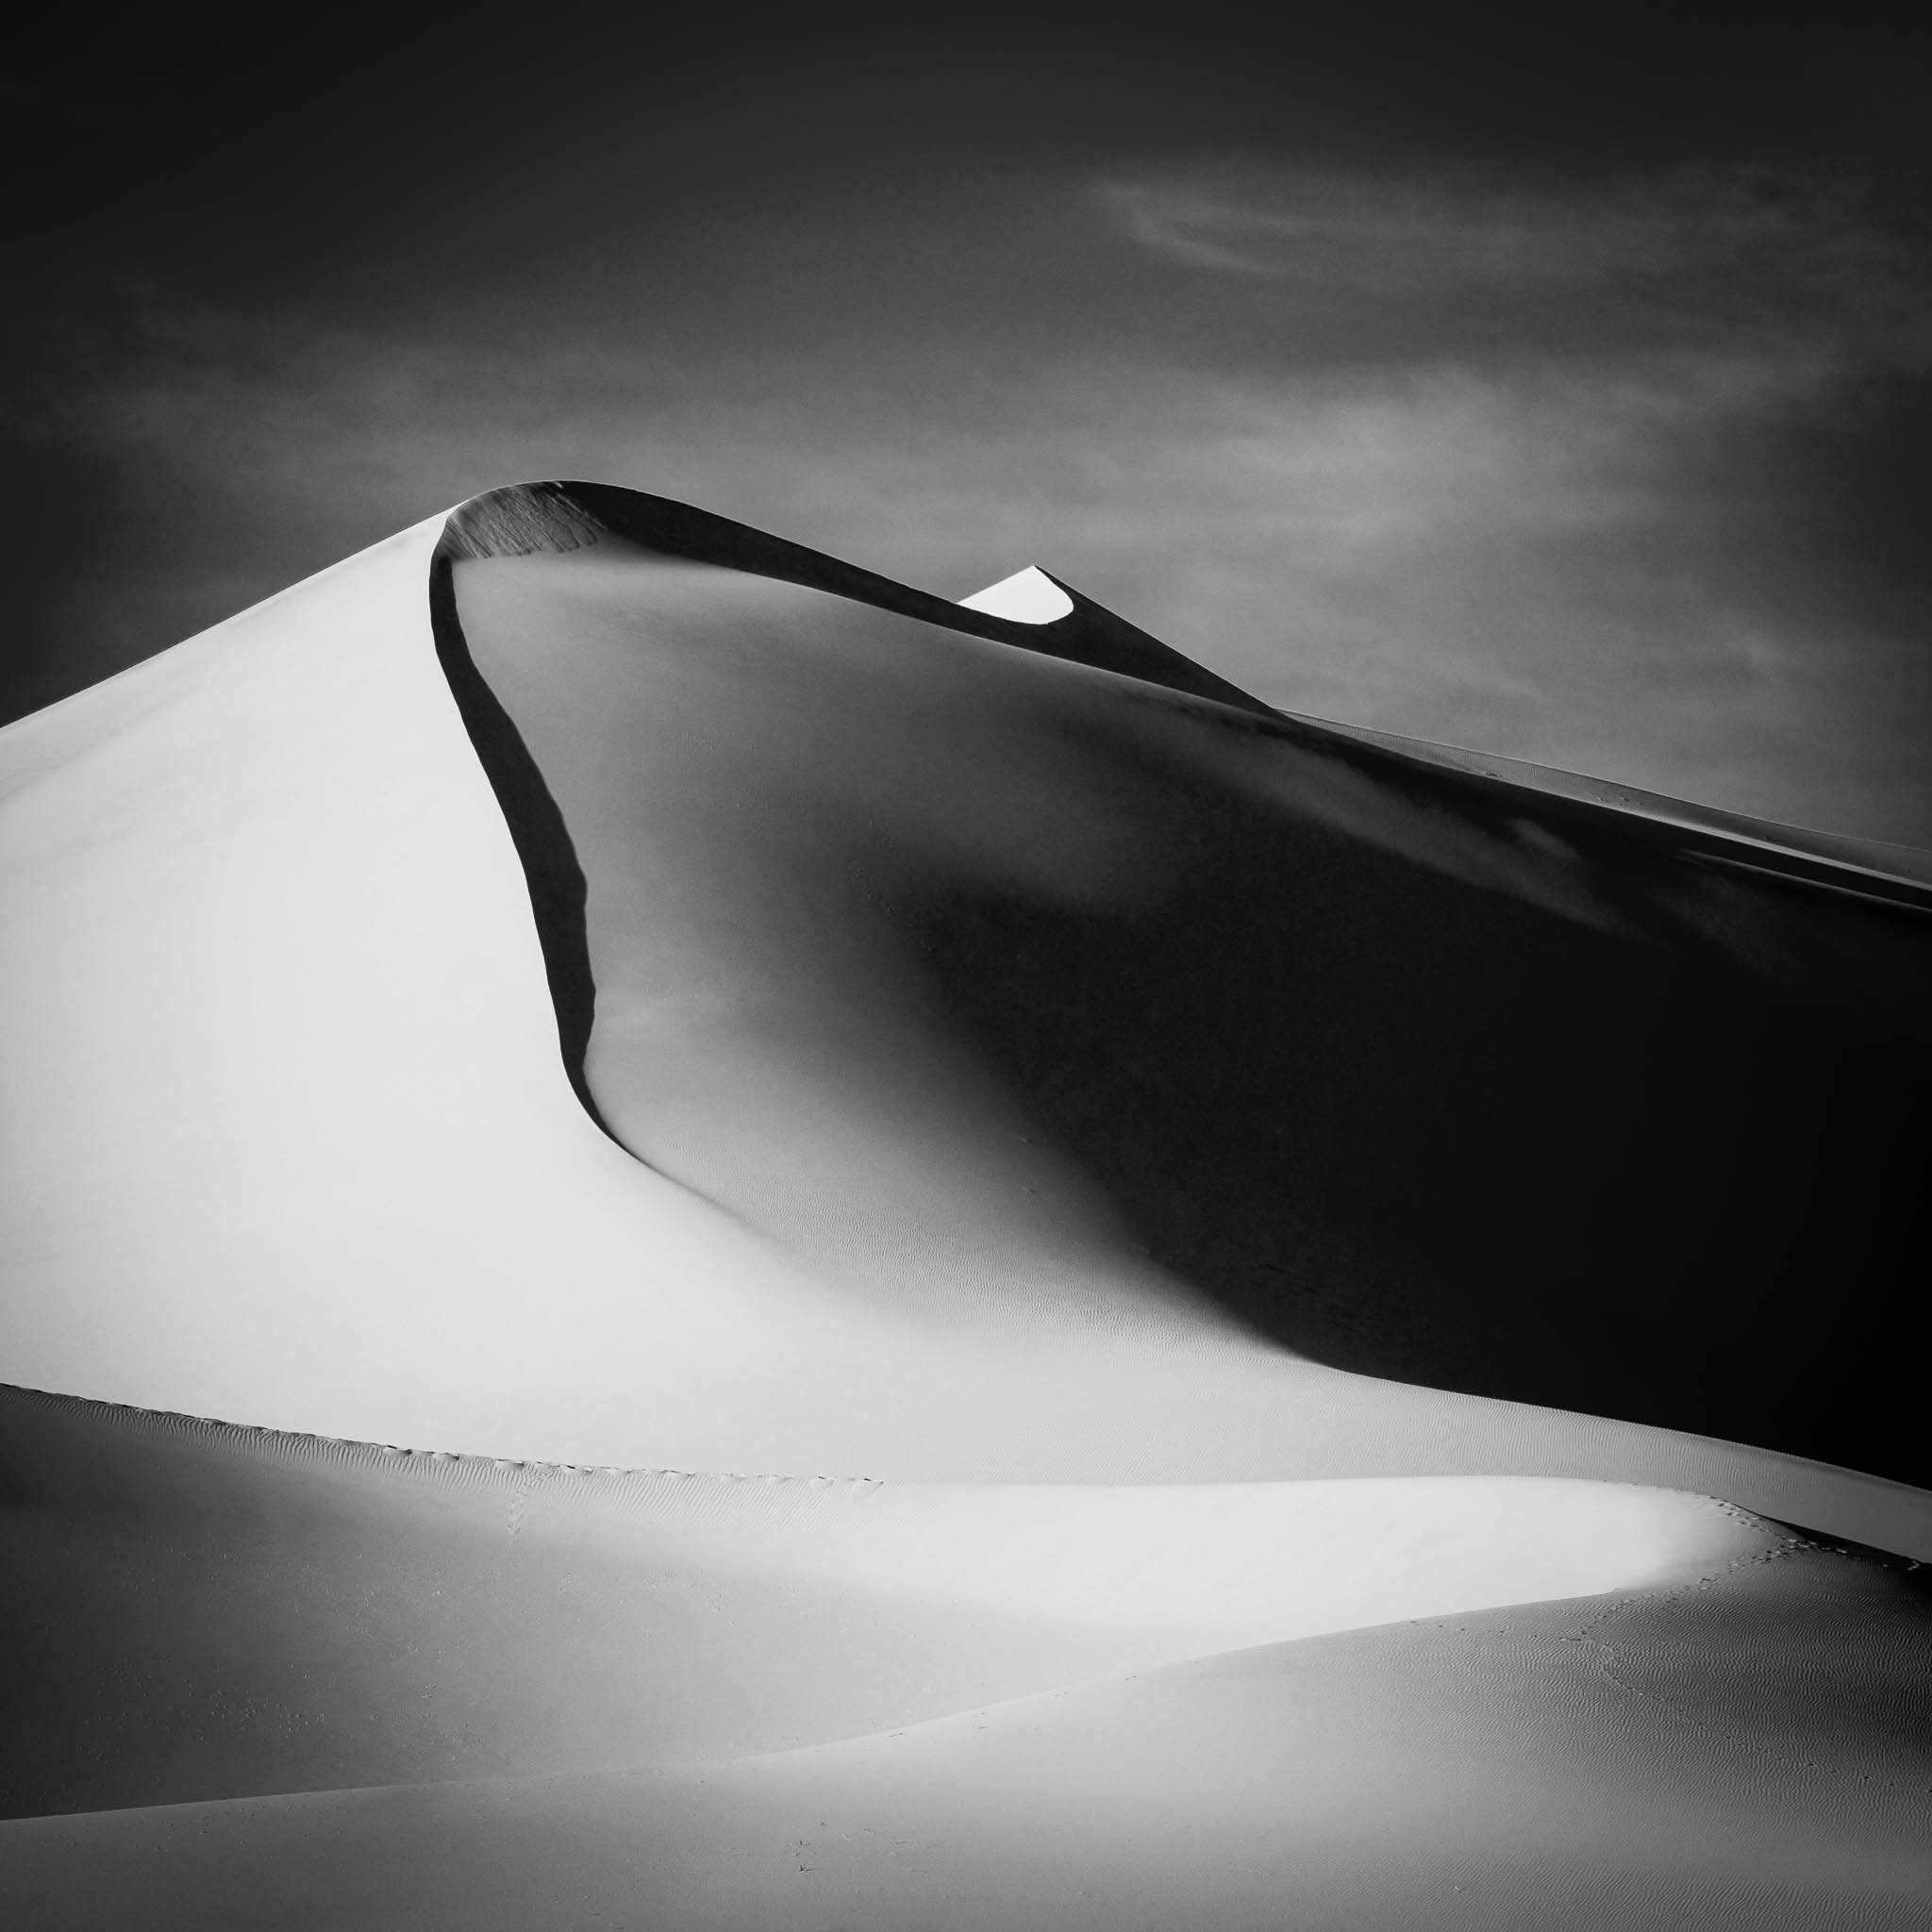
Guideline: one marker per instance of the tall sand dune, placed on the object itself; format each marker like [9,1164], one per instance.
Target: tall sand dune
[1018,1291]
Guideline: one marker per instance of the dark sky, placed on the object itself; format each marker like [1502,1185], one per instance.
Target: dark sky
[1559,390]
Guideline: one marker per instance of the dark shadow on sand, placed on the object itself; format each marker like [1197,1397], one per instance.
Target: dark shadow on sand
[1423,1131]
[1393,1118]
[536,828]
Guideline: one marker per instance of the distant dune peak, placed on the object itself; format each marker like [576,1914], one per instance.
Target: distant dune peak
[1028,596]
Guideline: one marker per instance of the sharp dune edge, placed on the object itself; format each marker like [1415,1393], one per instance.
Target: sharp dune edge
[1238,1311]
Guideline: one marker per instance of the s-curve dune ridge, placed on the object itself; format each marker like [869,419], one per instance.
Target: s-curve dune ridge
[1027,1292]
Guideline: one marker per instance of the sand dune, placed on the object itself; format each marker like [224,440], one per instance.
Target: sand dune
[1007,1233]
[1744,1742]
[202,1612]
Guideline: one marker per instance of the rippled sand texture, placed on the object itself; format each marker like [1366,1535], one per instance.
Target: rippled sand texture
[1068,1302]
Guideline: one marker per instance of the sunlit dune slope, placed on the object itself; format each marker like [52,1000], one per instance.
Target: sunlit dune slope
[1007,970]
[194,1611]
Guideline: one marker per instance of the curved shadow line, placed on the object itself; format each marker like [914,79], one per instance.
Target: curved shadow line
[525,519]
[520,521]
[558,891]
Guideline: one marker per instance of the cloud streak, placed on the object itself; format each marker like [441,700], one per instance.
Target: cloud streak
[1806,262]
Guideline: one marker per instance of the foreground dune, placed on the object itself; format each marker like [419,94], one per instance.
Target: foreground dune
[298,1615]
[858,1705]
[1245,1247]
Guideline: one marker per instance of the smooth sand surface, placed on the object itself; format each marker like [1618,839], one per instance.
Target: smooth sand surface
[193,1612]
[1740,1741]
[1061,1294]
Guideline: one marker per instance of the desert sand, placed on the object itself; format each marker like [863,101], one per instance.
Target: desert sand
[907,1263]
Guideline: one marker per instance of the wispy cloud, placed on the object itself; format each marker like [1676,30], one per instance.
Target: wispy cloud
[1803,260]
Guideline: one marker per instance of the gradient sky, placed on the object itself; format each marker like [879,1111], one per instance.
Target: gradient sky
[1558,390]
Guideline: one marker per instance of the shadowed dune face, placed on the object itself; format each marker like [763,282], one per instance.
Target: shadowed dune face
[989,979]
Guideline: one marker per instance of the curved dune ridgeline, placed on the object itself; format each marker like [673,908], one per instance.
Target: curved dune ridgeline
[1000,964]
